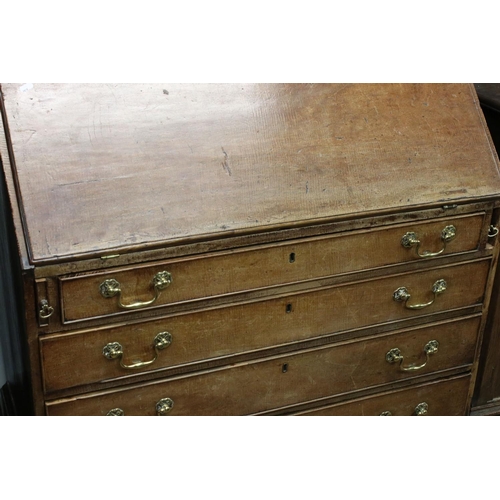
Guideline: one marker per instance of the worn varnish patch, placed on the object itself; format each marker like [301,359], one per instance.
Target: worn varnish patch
[108,167]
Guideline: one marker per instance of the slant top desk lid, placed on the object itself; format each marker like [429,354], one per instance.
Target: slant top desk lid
[102,167]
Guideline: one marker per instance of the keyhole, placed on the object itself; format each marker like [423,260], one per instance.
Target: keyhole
[288,308]
[284,368]
[292,258]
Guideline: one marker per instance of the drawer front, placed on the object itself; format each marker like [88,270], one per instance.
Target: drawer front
[291,379]
[444,398]
[243,270]
[77,358]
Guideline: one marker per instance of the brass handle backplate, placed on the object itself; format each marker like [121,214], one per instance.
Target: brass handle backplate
[420,410]
[112,288]
[394,355]
[45,311]
[164,406]
[493,232]
[403,295]
[114,350]
[410,240]
[115,412]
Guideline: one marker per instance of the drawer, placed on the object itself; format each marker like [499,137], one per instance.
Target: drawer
[72,359]
[96,295]
[294,378]
[443,398]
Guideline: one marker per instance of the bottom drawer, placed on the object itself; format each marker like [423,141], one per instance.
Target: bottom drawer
[443,398]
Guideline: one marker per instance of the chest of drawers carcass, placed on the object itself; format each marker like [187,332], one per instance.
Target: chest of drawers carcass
[251,249]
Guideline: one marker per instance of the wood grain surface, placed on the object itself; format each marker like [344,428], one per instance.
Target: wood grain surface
[444,398]
[270,383]
[224,273]
[105,167]
[77,359]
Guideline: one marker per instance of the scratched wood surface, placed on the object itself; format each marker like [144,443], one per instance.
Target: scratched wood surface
[105,167]
[76,359]
[295,378]
[81,298]
[444,398]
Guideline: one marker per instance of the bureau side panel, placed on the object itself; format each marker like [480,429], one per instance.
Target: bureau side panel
[12,206]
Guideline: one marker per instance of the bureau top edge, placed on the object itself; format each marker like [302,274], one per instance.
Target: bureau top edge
[412,220]
[101,168]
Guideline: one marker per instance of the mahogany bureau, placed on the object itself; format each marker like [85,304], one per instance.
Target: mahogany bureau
[251,249]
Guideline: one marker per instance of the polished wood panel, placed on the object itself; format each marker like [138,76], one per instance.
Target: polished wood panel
[76,358]
[290,379]
[444,398]
[279,211]
[223,273]
[134,165]
[239,328]
[351,300]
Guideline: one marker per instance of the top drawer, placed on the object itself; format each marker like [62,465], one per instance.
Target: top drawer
[95,295]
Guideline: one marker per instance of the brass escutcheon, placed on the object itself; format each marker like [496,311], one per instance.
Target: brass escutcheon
[164,406]
[403,295]
[394,355]
[114,350]
[410,239]
[112,288]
